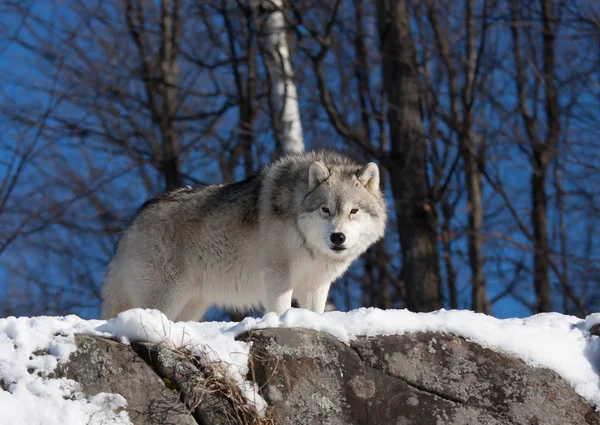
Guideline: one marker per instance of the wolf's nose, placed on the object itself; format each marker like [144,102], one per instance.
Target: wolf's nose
[337,238]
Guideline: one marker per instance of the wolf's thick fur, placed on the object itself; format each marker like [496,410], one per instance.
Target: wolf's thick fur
[260,241]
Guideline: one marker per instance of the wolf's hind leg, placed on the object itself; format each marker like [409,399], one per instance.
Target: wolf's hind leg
[114,301]
[169,298]
[193,311]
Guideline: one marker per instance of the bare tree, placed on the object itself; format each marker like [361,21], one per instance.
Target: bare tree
[462,102]
[120,128]
[543,147]
[415,214]
[106,103]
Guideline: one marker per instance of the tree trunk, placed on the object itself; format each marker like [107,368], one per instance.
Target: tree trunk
[247,95]
[417,222]
[463,122]
[542,149]
[539,219]
[562,229]
[542,154]
[447,246]
[285,111]
[171,32]
[480,299]
[481,303]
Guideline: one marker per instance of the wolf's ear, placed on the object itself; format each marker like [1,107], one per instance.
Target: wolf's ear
[369,176]
[317,174]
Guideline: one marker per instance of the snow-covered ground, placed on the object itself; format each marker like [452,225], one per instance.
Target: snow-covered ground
[558,342]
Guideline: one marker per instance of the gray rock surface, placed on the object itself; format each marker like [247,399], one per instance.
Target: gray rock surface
[312,378]
[102,365]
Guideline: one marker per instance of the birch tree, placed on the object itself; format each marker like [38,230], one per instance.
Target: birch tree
[284,106]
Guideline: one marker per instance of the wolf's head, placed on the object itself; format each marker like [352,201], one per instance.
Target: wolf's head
[344,211]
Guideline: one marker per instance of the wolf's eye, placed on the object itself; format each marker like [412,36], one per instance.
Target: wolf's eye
[354,211]
[325,210]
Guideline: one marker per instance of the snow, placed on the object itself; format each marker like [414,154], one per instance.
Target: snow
[34,398]
[555,341]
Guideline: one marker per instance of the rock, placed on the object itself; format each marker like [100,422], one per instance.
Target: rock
[309,377]
[142,373]
[304,375]
[312,378]
[102,365]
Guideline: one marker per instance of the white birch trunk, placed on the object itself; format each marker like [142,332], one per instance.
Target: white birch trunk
[284,97]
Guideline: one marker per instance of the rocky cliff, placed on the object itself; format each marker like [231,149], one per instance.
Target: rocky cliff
[309,377]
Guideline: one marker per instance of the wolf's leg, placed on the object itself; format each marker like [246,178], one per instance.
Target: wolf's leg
[168,298]
[193,311]
[313,297]
[279,302]
[114,301]
[115,297]
[278,292]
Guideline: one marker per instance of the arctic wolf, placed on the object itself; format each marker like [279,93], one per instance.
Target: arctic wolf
[289,231]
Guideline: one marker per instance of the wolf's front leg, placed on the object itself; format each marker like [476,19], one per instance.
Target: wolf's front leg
[277,292]
[313,298]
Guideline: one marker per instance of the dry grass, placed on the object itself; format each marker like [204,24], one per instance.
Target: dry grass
[213,389]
